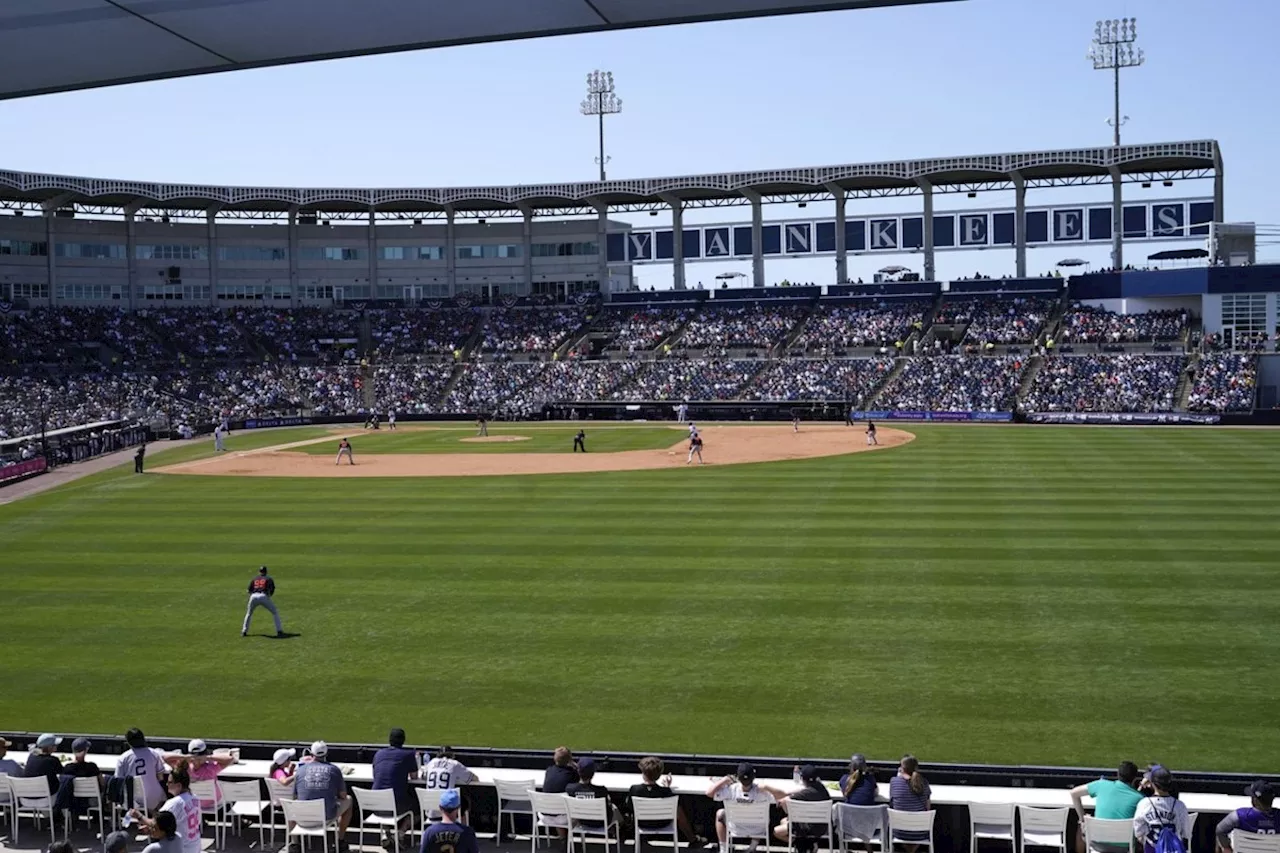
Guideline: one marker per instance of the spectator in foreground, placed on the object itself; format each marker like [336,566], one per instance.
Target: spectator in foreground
[1113,799]
[909,792]
[283,767]
[393,767]
[741,787]
[1159,810]
[42,761]
[858,786]
[562,773]
[164,835]
[202,765]
[182,805]
[657,785]
[812,790]
[143,763]
[1257,817]
[80,767]
[118,842]
[8,766]
[320,780]
[585,789]
[449,836]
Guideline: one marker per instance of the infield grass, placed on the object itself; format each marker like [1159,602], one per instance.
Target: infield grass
[990,594]
[529,438]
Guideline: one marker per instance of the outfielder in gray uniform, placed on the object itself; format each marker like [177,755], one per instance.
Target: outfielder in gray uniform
[261,589]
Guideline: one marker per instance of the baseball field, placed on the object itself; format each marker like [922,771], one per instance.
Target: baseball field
[989,594]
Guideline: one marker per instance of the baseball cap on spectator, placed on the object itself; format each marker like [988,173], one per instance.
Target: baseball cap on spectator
[81,744]
[586,767]
[197,747]
[809,773]
[1261,789]
[1161,777]
[283,754]
[746,773]
[319,749]
[116,842]
[47,741]
[450,800]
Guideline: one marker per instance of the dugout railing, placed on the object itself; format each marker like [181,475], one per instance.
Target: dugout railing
[951,831]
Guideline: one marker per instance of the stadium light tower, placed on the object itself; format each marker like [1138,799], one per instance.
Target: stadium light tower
[601,101]
[1113,49]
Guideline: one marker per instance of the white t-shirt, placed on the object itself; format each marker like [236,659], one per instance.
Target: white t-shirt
[186,812]
[737,794]
[143,763]
[444,773]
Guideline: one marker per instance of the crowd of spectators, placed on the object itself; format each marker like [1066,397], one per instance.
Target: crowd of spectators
[410,387]
[997,320]
[750,326]
[955,383]
[414,331]
[1224,382]
[680,379]
[562,381]
[640,329]
[836,328]
[530,330]
[1092,325]
[794,380]
[205,334]
[295,334]
[1105,383]
[332,389]
[490,387]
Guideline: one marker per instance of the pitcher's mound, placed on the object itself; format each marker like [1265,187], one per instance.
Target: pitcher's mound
[489,438]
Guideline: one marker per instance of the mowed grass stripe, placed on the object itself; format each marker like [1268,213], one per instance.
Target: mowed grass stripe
[976,595]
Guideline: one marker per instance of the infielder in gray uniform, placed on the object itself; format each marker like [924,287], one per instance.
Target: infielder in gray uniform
[261,589]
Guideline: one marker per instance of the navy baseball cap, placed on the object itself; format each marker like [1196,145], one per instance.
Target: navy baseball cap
[586,767]
[808,773]
[1261,789]
[81,744]
[746,772]
[451,800]
[262,570]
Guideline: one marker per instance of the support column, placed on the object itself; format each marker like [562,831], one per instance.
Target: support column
[929,267]
[211,224]
[1117,220]
[294,296]
[1019,224]
[602,247]
[526,249]
[450,253]
[373,255]
[842,254]
[131,250]
[51,265]
[677,241]
[757,238]
[1219,196]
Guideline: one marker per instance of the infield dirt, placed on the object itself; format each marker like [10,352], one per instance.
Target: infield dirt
[723,445]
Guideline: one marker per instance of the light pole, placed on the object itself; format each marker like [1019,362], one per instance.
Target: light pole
[601,101]
[1113,49]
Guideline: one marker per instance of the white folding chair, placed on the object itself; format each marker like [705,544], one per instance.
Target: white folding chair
[1043,828]
[665,810]
[1253,842]
[429,805]
[550,811]
[513,799]
[811,814]
[1192,817]
[87,789]
[913,822]
[32,797]
[749,821]
[1107,836]
[7,805]
[244,800]
[277,793]
[991,822]
[868,825]
[378,811]
[207,791]
[597,811]
[307,817]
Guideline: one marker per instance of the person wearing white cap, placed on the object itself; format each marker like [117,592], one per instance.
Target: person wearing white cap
[202,764]
[42,761]
[320,780]
[282,767]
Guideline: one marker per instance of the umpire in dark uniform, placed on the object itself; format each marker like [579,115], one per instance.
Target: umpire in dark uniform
[138,457]
[580,441]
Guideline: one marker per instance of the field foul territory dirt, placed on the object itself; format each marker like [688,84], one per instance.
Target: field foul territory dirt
[723,445]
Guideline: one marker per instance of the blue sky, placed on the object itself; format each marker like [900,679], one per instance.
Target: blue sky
[973,77]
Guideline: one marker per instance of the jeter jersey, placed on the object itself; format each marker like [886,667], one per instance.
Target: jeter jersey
[186,813]
[442,773]
[143,763]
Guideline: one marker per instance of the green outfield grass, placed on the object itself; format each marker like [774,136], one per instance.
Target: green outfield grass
[536,438]
[989,594]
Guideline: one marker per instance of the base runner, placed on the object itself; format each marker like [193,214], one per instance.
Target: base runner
[261,589]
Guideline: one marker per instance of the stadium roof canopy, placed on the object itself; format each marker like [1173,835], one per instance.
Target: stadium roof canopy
[1065,167]
[61,45]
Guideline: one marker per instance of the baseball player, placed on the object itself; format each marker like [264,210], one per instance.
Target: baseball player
[261,589]
[483,425]
[795,420]
[693,430]
[344,448]
[695,449]
[580,442]
[139,458]
[391,420]
[871,434]
[218,446]
[682,413]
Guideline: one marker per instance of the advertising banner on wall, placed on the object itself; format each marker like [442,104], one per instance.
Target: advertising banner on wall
[1137,418]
